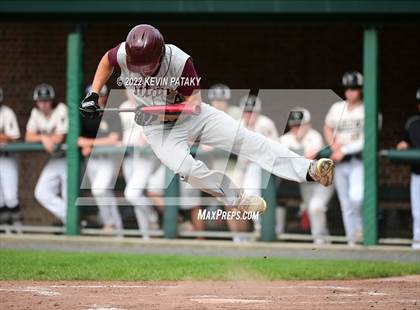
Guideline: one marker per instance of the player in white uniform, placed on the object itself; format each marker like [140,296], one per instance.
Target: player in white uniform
[344,133]
[162,73]
[101,168]
[138,167]
[411,139]
[303,139]
[255,121]
[219,96]
[48,124]
[9,202]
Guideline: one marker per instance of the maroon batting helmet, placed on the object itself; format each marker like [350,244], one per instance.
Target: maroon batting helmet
[144,47]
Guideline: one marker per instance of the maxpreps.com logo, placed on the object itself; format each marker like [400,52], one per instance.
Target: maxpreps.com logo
[220,214]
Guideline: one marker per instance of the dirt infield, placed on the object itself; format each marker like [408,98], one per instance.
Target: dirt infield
[391,293]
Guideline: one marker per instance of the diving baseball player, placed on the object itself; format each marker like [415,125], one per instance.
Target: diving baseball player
[100,168]
[304,140]
[411,139]
[343,131]
[161,74]
[9,132]
[48,124]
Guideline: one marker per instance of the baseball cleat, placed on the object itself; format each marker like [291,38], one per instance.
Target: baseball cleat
[322,171]
[252,203]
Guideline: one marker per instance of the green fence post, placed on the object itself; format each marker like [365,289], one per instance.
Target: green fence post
[74,86]
[268,219]
[170,214]
[370,157]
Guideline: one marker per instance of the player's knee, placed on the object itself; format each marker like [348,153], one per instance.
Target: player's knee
[316,207]
[132,194]
[10,201]
[41,195]
[356,198]
[190,168]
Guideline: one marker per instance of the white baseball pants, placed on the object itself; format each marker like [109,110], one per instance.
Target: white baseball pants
[100,170]
[190,197]
[137,170]
[218,129]
[51,188]
[315,198]
[349,184]
[8,182]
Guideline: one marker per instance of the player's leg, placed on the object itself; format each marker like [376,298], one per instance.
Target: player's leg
[155,192]
[317,207]
[48,187]
[4,212]
[341,183]
[221,131]
[142,167]
[306,192]
[191,200]
[356,183]
[252,186]
[9,189]
[172,148]
[415,208]
[101,172]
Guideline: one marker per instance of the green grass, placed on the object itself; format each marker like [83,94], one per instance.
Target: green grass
[46,265]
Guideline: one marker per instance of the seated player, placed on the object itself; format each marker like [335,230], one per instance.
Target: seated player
[101,168]
[10,211]
[304,140]
[253,120]
[48,124]
[138,168]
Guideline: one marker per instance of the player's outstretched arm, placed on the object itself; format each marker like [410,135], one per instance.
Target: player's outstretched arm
[89,107]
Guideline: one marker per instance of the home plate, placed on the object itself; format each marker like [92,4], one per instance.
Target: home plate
[227,300]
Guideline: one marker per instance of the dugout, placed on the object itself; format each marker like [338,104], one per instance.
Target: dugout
[313,42]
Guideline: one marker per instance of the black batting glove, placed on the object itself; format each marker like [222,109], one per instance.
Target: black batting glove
[143,119]
[89,106]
